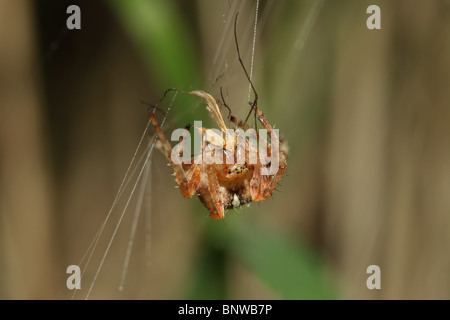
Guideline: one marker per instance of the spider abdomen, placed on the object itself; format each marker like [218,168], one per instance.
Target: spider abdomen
[235,191]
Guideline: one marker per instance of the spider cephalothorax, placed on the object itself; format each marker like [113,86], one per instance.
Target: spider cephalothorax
[241,172]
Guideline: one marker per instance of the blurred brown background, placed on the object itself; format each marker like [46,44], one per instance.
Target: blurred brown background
[366,114]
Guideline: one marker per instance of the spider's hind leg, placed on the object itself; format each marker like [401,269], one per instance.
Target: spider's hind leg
[262,186]
[187,182]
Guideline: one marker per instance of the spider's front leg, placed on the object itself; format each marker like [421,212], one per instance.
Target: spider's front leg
[188,182]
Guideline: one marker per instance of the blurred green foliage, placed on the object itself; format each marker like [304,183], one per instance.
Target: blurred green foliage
[290,268]
[163,38]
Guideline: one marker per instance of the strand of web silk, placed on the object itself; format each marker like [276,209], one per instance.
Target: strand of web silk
[148,220]
[148,216]
[95,240]
[253,49]
[118,225]
[306,28]
[222,38]
[136,215]
[126,207]
[226,40]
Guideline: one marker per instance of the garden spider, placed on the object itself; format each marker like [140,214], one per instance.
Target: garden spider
[224,186]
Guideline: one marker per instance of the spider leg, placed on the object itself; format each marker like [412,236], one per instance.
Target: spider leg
[255,101]
[210,195]
[268,183]
[261,186]
[209,189]
[245,126]
[239,123]
[226,106]
[187,184]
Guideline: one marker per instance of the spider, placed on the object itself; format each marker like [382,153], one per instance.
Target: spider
[229,184]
